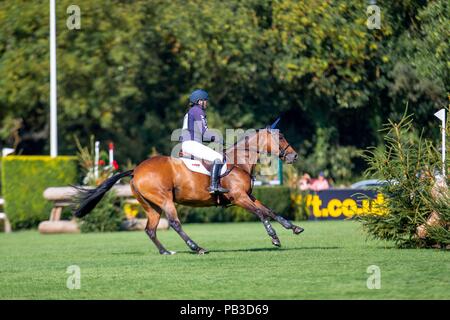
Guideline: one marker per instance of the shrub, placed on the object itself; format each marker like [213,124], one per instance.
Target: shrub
[410,165]
[24,179]
[106,217]
[299,204]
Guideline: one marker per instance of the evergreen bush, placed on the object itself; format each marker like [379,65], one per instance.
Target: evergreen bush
[410,166]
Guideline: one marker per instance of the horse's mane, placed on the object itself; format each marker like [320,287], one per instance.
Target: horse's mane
[244,136]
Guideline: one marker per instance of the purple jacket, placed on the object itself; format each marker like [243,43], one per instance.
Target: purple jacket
[197,123]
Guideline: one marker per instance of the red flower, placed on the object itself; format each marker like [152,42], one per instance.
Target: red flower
[115,165]
[101,162]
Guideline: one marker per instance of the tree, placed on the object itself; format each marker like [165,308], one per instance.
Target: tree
[127,73]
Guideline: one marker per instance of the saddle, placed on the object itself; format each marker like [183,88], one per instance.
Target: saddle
[200,166]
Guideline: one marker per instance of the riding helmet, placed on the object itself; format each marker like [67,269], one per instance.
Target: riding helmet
[198,95]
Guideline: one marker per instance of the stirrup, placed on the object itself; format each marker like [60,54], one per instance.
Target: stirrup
[218,189]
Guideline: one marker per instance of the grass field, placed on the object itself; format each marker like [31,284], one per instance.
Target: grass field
[328,261]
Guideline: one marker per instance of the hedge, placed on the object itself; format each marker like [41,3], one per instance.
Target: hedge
[277,198]
[24,179]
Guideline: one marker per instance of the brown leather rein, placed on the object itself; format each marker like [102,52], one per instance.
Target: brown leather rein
[282,155]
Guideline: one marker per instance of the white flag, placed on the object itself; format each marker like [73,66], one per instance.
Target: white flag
[441,115]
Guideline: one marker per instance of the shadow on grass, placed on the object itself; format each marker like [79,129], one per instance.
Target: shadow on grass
[264,249]
[135,253]
[268,249]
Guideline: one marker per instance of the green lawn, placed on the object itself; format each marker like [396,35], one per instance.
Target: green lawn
[328,261]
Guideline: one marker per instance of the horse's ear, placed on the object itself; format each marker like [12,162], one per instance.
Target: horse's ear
[274,125]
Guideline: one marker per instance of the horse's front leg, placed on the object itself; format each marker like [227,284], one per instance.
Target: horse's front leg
[248,204]
[284,222]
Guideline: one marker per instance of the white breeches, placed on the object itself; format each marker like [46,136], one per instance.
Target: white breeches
[200,151]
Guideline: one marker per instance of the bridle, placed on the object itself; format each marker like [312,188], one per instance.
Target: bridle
[283,153]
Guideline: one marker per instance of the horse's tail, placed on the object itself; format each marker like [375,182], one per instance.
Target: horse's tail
[87,199]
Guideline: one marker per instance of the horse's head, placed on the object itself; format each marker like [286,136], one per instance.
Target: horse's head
[285,151]
[280,146]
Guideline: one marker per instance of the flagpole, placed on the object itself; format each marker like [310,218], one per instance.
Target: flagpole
[53,101]
[443,147]
[441,116]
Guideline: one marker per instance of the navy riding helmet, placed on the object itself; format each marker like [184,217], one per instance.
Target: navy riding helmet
[198,95]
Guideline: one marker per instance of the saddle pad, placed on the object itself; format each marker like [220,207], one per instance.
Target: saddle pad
[197,166]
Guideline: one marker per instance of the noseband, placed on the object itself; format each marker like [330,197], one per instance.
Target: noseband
[283,153]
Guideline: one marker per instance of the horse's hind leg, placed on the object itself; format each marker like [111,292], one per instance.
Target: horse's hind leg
[153,215]
[171,214]
[150,230]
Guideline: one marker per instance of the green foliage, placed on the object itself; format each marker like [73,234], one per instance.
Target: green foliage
[299,207]
[410,165]
[106,217]
[439,235]
[326,48]
[86,159]
[335,161]
[126,74]
[276,198]
[428,48]
[421,73]
[24,179]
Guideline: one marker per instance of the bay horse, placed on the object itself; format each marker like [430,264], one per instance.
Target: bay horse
[161,181]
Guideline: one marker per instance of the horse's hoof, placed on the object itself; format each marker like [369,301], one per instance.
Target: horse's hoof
[202,251]
[167,253]
[298,230]
[276,242]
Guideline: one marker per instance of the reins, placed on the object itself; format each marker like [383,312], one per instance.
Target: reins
[282,155]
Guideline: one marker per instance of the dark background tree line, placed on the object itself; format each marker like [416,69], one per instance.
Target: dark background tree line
[126,75]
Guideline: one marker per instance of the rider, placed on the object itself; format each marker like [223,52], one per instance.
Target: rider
[196,124]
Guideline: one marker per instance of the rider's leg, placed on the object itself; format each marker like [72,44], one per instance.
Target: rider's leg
[201,151]
[215,186]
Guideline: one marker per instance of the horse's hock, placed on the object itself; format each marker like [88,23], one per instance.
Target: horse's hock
[62,197]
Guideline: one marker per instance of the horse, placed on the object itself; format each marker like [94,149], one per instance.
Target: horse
[161,181]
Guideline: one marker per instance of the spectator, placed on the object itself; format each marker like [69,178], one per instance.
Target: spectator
[320,183]
[305,182]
